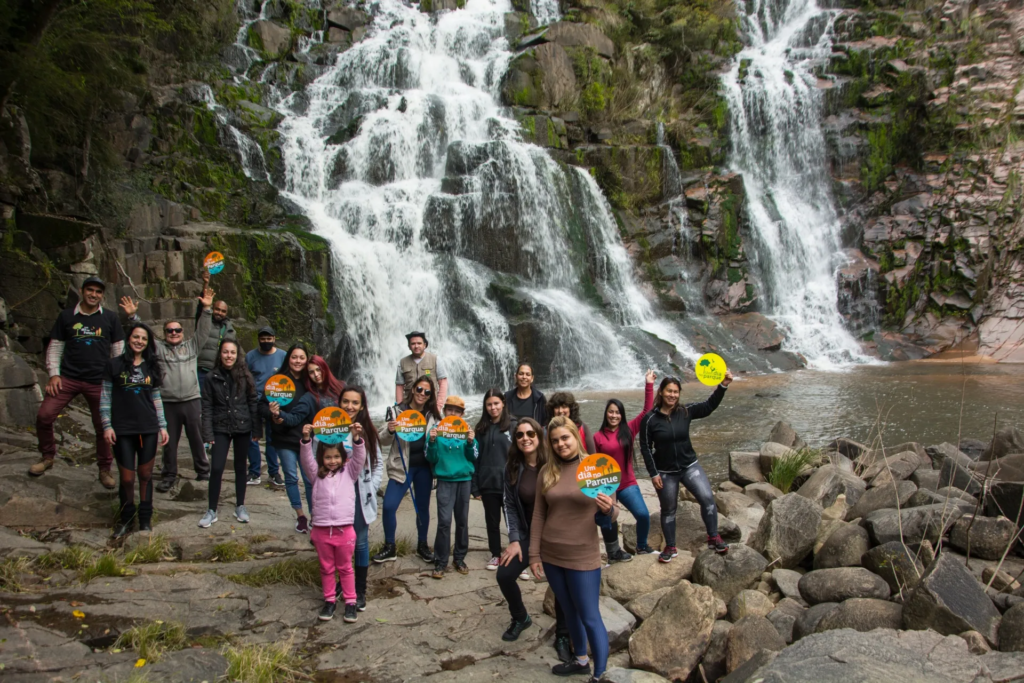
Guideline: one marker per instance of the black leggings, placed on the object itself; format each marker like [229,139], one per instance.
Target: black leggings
[507,577]
[219,460]
[493,503]
[127,449]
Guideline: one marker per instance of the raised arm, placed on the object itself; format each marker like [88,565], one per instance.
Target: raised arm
[307,459]
[634,424]
[698,410]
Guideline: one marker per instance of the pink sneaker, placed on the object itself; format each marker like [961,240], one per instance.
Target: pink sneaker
[492,564]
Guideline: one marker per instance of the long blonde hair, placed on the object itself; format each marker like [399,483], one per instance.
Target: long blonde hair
[552,470]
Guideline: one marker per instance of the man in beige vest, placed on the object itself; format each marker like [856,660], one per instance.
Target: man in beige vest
[420,362]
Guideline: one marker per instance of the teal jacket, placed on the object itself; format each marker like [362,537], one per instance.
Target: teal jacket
[452,463]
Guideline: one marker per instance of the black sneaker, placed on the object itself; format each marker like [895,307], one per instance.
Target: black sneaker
[253,480]
[327,611]
[563,648]
[145,525]
[644,550]
[620,555]
[302,524]
[202,477]
[350,614]
[387,554]
[668,553]
[570,668]
[164,485]
[124,528]
[425,553]
[516,628]
[361,603]
[277,481]
[718,545]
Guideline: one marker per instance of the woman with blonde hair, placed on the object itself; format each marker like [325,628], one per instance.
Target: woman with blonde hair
[565,551]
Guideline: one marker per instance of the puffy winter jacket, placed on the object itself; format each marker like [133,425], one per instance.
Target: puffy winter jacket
[226,408]
[211,347]
[334,496]
[665,439]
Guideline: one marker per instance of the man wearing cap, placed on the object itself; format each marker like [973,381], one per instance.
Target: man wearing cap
[82,342]
[420,362]
[180,389]
[264,362]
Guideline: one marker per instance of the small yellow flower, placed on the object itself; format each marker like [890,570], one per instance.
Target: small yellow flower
[140,663]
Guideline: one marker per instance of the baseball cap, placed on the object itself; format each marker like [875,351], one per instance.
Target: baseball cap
[266,330]
[455,402]
[93,280]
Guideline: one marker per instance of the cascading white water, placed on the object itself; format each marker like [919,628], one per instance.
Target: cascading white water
[779,148]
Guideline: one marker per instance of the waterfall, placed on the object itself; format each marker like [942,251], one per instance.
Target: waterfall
[779,148]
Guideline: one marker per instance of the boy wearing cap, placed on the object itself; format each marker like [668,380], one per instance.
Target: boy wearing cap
[417,364]
[453,467]
[263,363]
[83,339]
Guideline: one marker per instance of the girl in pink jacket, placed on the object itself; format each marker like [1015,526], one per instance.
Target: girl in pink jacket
[334,475]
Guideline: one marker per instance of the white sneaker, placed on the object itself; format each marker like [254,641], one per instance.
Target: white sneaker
[209,518]
[492,564]
[525,576]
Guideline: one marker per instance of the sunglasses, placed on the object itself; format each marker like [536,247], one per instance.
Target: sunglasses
[528,434]
[173,330]
[421,390]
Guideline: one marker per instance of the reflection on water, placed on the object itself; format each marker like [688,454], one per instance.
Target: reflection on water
[904,401]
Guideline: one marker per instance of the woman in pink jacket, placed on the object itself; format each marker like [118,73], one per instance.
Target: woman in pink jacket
[615,438]
[334,475]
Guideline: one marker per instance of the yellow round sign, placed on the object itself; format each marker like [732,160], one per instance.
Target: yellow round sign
[710,369]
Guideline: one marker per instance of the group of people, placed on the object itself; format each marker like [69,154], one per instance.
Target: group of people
[519,460]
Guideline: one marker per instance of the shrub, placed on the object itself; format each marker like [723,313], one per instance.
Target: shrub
[788,468]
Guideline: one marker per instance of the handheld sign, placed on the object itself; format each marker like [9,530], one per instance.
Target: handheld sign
[452,431]
[710,369]
[411,426]
[279,389]
[331,425]
[598,473]
[214,262]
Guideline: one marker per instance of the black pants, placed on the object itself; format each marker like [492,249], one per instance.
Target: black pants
[507,577]
[187,414]
[219,460]
[133,451]
[492,517]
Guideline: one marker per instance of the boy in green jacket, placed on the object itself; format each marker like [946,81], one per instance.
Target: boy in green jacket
[453,460]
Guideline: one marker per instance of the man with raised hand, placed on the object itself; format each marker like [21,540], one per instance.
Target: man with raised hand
[82,341]
[420,362]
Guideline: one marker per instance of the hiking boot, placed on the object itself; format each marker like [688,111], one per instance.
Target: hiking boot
[123,529]
[644,550]
[424,552]
[516,628]
[718,545]
[438,572]
[164,485]
[253,480]
[570,668]
[387,554]
[107,479]
[350,613]
[563,649]
[327,611]
[241,514]
[37,469]
[668,553]
[302,524]
[277,481]
[619,555]
[209,518]
[461,567]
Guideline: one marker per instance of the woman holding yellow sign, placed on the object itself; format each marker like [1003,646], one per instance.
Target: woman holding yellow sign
[670,458]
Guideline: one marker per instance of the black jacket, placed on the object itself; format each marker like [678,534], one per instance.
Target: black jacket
[540,406]
[226,409]
[515,516]
[665,439]
[281,435]
[493,454]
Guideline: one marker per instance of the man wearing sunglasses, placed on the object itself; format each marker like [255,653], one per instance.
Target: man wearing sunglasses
[180,388]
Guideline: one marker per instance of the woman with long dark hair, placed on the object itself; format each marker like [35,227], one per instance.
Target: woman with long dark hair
[230,416]
[615,439]
[671,460]
[133,420]
[408,468]
[285,438]
[524,400]
[563,548]
[564,404]
[353,402]
[494,438]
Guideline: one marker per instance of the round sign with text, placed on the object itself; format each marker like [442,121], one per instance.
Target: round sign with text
[453,431]
[710,369]
[279,389]
[411,425]
[598,473]
[331,425]
[214,262]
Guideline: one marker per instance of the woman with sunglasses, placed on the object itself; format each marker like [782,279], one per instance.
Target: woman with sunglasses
[407,467]
[562,538]
[524,400]
[671,460]
[526,457]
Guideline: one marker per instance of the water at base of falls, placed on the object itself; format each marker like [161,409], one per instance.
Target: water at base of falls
[779,148]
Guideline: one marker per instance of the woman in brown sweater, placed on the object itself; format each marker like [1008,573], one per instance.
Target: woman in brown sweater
[567,546]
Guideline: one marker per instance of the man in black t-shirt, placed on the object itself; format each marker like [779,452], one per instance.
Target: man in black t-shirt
[83,339]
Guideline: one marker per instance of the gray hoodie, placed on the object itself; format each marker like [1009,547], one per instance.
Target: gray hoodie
[180,382]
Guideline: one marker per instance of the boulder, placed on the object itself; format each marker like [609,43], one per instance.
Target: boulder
[925,479]
[541,76]
[926,497]
[787,531]
[784,617]
[643,606]
[348,18]
[807,623]
[896,564]
[728,574]
[842,583]
[749,636]
[1006,441]
[959,495]
[763,492]
[986,537]
[731,503]
[670,646]
[713,662]
[975,642]
[1006,498]
[274,39]
[745,468]
[949,600]
[1011,630]
[572,34]
[655,539]
[770,452]
[783,433]
[788,582]
[749,602]
[618,621]
[880,497]
[973,448]
[862,614]
[990,576]
[889,468]
[617,674]
[843,548]
[847,447]
[914,524]
[940,453]
[960,475]
[625,581]
[1006,468]
[828,481]
[730,487]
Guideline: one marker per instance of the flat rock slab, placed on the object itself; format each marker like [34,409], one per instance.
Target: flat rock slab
[948,599]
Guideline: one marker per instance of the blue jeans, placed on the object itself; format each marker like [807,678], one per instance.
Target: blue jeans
[362,554]
[273,466]
[421,479]
[201,374]
[290,465]
[634,502]
[696,482]
[579,592]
